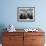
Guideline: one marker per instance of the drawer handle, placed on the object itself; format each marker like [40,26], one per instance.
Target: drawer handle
[11,38]
[33,39]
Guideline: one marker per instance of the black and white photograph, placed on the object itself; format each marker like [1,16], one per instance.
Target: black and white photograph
[26,14]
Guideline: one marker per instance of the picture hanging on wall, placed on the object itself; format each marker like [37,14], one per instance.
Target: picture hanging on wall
[26,14]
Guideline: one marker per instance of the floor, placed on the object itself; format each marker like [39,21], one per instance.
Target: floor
[0,44]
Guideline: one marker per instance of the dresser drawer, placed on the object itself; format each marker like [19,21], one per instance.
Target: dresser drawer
[12,39]
[34,33]
[13,44]
[27,41]
[37,39]
[13,33]
[37,44]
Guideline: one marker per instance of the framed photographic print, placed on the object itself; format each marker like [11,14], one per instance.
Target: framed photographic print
[26,14]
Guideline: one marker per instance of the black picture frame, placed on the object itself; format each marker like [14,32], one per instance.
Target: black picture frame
[26,14]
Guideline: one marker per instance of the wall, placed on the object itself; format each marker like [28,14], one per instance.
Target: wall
[9,13]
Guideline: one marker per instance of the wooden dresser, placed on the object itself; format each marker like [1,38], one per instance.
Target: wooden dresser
[23,39]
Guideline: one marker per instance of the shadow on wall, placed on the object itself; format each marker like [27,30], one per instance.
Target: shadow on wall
[2,26]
